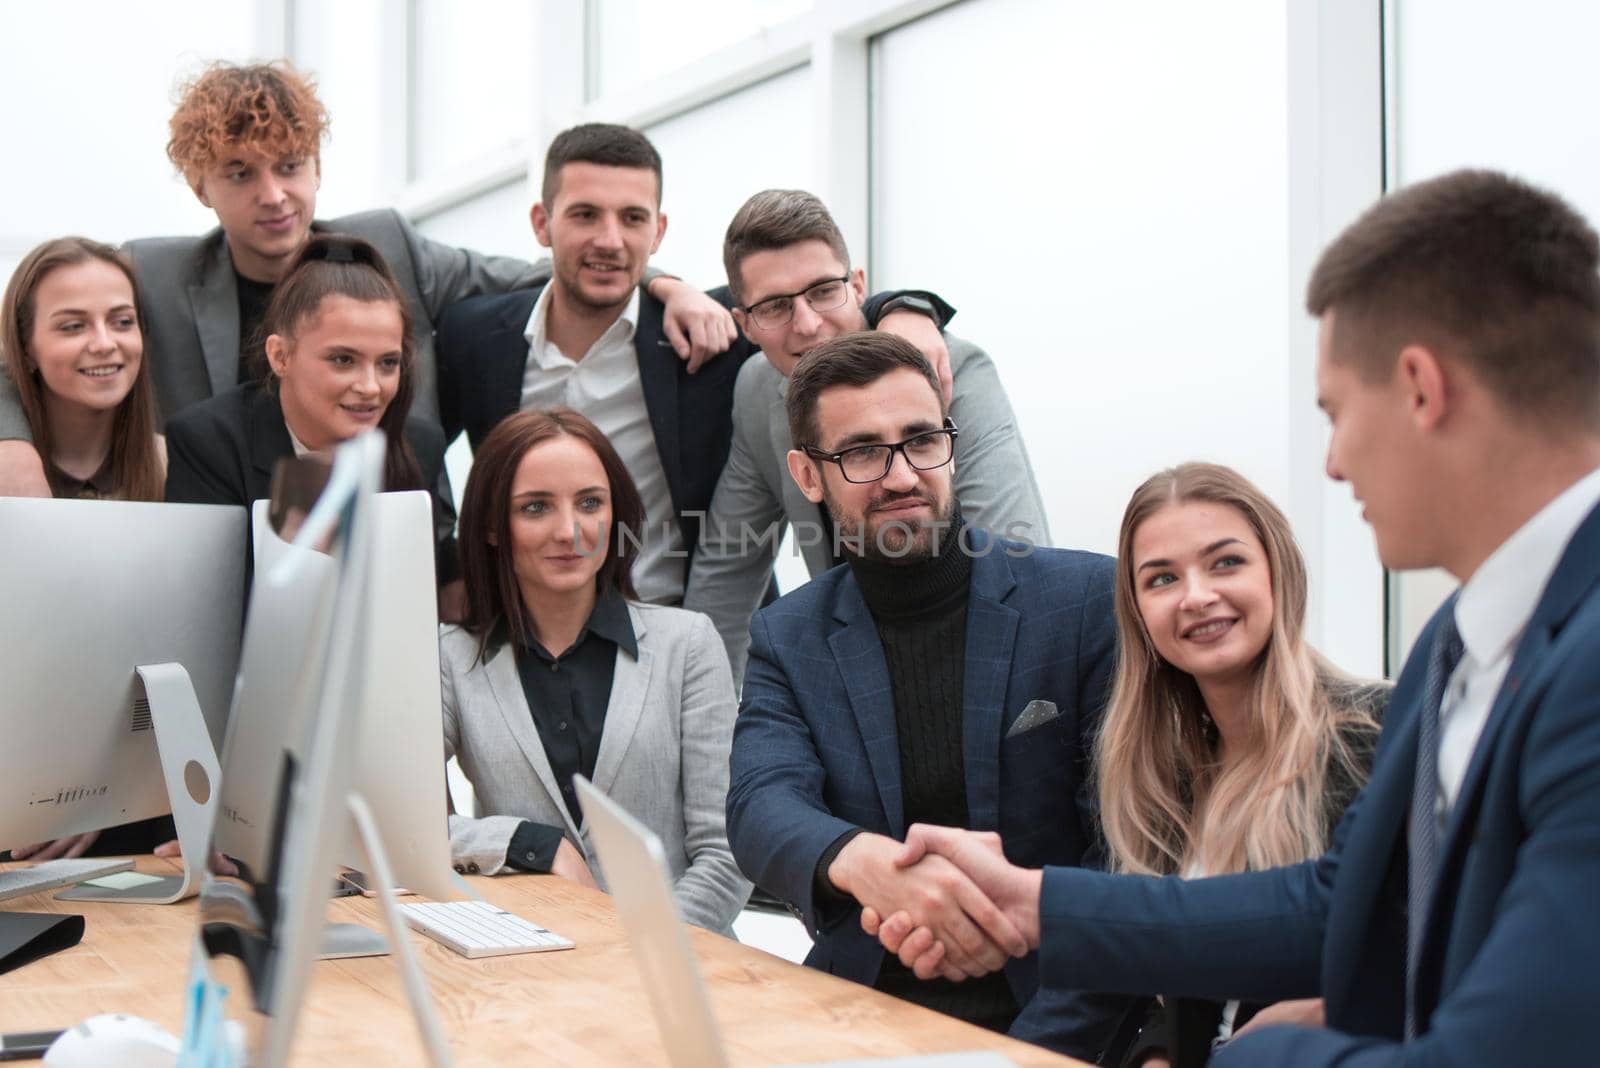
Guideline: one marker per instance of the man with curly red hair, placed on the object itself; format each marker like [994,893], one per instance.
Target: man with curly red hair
[247,140]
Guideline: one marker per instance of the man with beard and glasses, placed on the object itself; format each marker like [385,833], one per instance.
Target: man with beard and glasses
[789,272]
[942,675]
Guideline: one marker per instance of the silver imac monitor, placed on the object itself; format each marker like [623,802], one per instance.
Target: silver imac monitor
[305,670]
[93,591]
[400,755]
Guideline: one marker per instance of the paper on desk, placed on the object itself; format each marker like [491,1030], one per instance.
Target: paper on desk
[122,880]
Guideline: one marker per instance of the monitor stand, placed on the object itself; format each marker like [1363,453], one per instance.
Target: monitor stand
[189,764]
[405,959]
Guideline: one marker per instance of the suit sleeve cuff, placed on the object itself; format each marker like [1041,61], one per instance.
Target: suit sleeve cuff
[823,892]
[874,309]
[533,847]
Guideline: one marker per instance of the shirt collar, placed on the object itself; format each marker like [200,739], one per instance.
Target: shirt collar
[1497,602]
[101,484]
[608,619]
[534,331]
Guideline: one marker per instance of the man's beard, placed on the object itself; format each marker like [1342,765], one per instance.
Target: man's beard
[894,541]
[574,292]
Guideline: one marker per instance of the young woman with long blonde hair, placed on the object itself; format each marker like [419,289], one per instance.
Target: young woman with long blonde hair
[1229,743]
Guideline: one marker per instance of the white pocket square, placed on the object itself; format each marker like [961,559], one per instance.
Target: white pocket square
[1037,714]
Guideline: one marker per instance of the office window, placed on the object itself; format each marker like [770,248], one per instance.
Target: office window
[638,40]
[474,90]
[1109,211]
[343,46]
[1479,85]
[494,222]
[714,157]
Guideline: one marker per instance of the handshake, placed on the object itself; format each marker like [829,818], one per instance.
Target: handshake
[946,902]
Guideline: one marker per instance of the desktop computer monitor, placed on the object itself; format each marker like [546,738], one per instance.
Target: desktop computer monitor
[310,647]
[400,755]
[94,590]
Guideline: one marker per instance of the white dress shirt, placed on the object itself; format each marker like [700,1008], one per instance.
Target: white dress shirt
[604,385]
[1491,614]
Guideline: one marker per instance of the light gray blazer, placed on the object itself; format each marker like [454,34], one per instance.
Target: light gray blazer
[993,480]
[663,755]
[191,307]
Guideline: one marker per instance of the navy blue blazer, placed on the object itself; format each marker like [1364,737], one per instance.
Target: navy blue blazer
[815,751]
[1510,960]
[483,355]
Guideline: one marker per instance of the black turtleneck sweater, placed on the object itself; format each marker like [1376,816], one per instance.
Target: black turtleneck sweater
[920,610]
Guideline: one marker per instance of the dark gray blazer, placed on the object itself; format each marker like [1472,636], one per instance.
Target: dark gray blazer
[191,307]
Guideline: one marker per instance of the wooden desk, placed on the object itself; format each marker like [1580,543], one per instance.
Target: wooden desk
[582,1007]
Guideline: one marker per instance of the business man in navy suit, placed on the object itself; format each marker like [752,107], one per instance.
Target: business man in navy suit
[1453,920]
[939,674]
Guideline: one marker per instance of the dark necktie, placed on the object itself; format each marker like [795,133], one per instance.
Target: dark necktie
[1422,836]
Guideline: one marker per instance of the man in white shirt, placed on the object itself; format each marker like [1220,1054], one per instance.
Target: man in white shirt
[593,340]
[1453,919]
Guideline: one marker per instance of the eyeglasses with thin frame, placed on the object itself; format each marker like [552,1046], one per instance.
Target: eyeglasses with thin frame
[826,295]
[869,463]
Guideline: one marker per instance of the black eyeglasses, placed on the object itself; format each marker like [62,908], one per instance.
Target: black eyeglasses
[869,463]
[826,295]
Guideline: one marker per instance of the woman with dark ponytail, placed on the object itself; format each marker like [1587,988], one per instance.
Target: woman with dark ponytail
[339,361]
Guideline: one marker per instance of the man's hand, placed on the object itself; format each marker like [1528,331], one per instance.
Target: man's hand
[1306,1012]
[1014,890]
[921,331]
[697,326]
[21,471]
[570,866]
[975,936]
[75,846]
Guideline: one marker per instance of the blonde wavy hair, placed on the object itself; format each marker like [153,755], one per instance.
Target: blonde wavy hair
[1167,803]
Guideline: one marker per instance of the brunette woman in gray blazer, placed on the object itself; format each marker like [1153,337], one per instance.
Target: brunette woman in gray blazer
[558,670]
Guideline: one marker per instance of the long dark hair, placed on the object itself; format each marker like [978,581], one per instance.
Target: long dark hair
[136,468]
[338,264]
[487,566]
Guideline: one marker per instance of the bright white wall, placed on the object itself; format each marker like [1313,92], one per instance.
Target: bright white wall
[88,90]
[715,156]
[1116,244]
[1480,84]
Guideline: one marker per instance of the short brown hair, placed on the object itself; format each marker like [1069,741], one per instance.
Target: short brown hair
[136,467]
[604,143]
[775,219]
[493,595]
[1494,271]
[270,108]
[858,359]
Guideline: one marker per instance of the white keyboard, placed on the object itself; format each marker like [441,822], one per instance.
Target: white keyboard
[479,929]
[49,874]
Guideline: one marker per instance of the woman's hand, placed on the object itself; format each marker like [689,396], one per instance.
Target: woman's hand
[569,865]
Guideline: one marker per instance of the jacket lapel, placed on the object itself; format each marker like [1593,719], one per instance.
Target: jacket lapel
[269,439]
[630,683]
[991,645]
[1572,581]
[658,378]
[214,303]
[503,366]
[858,653]
[505,685]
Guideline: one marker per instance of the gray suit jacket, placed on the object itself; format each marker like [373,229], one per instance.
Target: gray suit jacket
[191,307]
[756,497]
[663,755]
